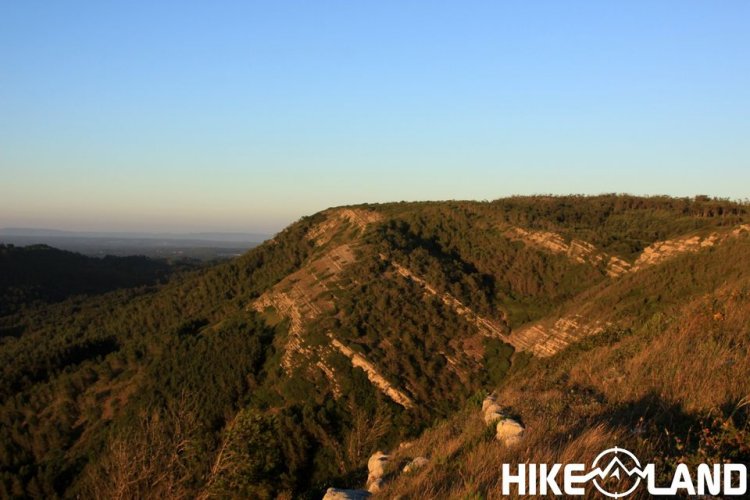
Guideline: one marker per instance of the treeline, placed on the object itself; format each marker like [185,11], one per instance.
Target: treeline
[618,224]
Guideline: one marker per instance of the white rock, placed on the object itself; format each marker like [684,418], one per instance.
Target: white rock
[509,432]
[487,401]
[376,464]
[338,494]
[492,408]
[375,485]
[376,470]
[415,464]
[493,417]
[493,413]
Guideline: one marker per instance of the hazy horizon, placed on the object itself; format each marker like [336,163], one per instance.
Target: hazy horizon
[236,117]
[139,231]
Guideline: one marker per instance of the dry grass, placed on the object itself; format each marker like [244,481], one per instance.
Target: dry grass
[698,358]
[654,391]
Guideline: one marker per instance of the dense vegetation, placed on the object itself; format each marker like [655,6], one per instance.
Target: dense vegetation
[41,274]
[177,388]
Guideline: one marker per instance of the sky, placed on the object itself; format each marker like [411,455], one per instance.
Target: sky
[245,116]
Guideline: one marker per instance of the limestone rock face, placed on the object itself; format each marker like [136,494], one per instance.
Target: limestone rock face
[545,338]
[415,464]
[339,494]
[617,267]
[375,377]
[509,432]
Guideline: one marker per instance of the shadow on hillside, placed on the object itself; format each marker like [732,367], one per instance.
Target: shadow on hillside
[650,422]
[663,432]
[651,411]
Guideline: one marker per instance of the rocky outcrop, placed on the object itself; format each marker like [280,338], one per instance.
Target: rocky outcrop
[584,252]
[486,326]
[579,251]
[376,475]
[292,306]
[415,465]
[507,430]
[376,466]
[339,494]
[303,296]
[491,411]
[543,339]
[373,375]
[664,250]
[541,239]
[539,339]
[617,267]
[337,218]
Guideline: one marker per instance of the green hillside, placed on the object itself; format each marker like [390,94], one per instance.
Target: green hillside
[358,328]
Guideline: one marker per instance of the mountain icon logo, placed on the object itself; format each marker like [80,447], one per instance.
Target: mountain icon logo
[621,475]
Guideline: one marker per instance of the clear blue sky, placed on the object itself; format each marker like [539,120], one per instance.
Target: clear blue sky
[247,115]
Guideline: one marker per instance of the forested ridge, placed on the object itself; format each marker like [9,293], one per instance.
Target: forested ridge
[225,380]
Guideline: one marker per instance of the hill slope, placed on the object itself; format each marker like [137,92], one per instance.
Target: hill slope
[666,378]
[355,329]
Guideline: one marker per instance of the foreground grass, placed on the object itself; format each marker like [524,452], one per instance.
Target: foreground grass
[674,389]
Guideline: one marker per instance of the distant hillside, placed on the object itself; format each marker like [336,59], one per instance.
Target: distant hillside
[39,273]
[358,328]
[201,246]
[223,237]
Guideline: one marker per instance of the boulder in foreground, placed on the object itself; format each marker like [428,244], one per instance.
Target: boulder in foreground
[339,494]
[509,432]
